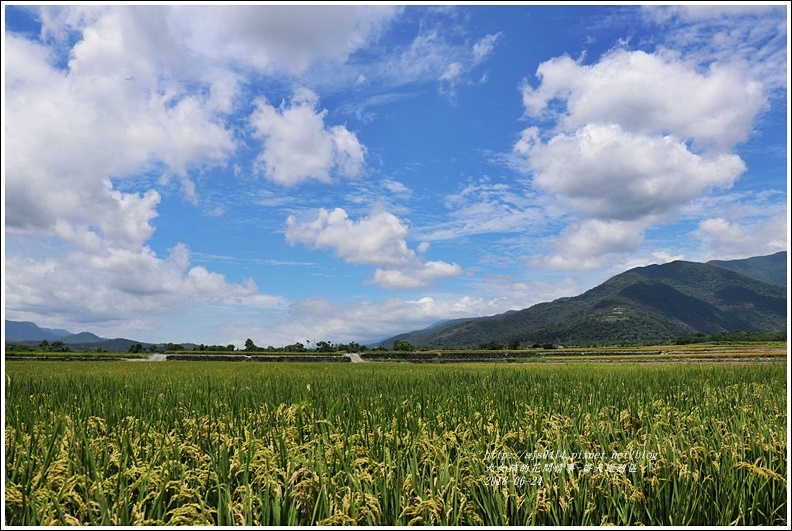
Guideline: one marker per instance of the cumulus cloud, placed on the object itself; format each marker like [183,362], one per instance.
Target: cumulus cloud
[147,88]
[415,274]
[651,94]
[592,243]
[723,239]
[69,131]
[299,146]
[267,38]
[114,284]
[636,136]
[378,239]
[605,172]
[285,37]
[117,98]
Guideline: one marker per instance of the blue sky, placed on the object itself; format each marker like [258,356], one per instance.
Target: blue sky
[210,174]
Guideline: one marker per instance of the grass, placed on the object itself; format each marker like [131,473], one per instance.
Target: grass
[72,355]
[394,444]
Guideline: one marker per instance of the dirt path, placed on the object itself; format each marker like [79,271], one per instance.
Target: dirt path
[152,357]
[355,358]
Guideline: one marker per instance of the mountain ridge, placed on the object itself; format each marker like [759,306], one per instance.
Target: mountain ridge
[645,304]
[771,268]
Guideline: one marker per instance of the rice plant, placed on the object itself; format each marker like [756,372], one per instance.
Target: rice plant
[389,444]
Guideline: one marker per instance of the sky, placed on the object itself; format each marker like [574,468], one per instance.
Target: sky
[292,173]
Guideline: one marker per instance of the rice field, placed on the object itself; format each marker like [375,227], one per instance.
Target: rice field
[394,444]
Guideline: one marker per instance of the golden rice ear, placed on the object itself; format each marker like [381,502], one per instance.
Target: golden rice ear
[229,444]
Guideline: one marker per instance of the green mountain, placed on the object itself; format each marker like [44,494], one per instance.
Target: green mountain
[643,305]
[771,268]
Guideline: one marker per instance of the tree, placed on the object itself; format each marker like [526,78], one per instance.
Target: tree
[492,345]
[231,348]
[44,345]
[352,347]
[403,345]
[324,346]
[249,345]
[137,348]
[296,347]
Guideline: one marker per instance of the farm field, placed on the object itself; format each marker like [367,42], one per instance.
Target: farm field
[174,443]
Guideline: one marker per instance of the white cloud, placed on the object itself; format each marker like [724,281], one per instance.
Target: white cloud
[651,94]
[282,37]
[484,207]
[450,79]
[415,275]
[435,54]
[141,93]
[593,243]
[396,187]
[451,72]
[349,153]
[637,137]
[106,127]
[752,35]
[703,12]
[725,240]
[267,38]
[458,71]
[298,146]
[321,319]
[378,239]
[114,284]
[484,46]
[148,86]
[605,172]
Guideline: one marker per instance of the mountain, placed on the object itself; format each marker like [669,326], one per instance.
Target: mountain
[82,337]
[57,331]
[647,304]
[30,334]
[771,268]
[27,331]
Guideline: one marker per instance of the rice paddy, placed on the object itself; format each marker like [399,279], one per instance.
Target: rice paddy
[395,444]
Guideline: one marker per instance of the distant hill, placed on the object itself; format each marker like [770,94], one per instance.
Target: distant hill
[647,304]
[27,333]
[82,337]
[25,330]
[771,268]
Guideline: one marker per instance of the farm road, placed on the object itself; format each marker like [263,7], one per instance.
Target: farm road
[152,357]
